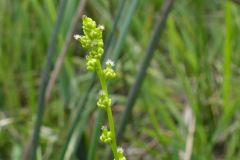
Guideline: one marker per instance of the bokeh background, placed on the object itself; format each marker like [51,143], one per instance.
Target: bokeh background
[185,106]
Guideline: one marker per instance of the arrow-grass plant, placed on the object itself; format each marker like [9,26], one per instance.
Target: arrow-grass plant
[93,41]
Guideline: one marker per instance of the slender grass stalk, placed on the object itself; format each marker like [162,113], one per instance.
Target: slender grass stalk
[161,138]
[227,73]
[116,20]
[95,136]
[124,29]
[143,68]
[227,58]
[80,127]
[44,81]
[75,122]
[63,52]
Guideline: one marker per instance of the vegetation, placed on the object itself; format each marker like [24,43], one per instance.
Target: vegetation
[187,106]
[93,41]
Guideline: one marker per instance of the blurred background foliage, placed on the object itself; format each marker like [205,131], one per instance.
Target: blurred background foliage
[188,105]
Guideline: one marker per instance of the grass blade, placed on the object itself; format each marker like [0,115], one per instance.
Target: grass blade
[124,28]
[226,90]
[95,136]
[63,52]
[80,126]
[143,68]
[75,122]
[44,79]
[116,20]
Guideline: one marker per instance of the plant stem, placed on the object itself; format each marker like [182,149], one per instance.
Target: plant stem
[109,110]
[111,125]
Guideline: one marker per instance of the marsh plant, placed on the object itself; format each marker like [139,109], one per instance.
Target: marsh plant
[92,40]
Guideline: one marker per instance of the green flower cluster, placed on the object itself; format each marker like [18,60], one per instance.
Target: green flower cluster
[103,100]
[120,154]
[108,71]
[92,40]
[106,136]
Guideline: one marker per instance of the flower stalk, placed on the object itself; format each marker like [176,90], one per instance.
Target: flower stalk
[93,41]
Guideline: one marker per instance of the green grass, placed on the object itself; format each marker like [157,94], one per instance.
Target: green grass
[195,69]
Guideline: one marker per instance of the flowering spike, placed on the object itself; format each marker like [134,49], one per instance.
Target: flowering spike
[92,40]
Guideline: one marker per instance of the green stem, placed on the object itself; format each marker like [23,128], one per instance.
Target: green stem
[111,125]
[109,110]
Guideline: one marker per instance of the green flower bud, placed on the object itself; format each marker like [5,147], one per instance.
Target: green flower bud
[96,53]
[91,63]
[98,33]
[88,25]
[100,51]
[92,40]
[106,135]
[100,43]
[85,41]
[110,63]
[108,72]
[120,154]
[103,100]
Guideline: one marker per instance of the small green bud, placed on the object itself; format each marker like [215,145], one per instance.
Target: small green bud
[103,100]
[88,25]
[85,41]
[92,40]
[108,72]
[100,51]
[120,154]
[106,135]
[110,63]
[96,53]
[98,33]
[100,43]
[91,63]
